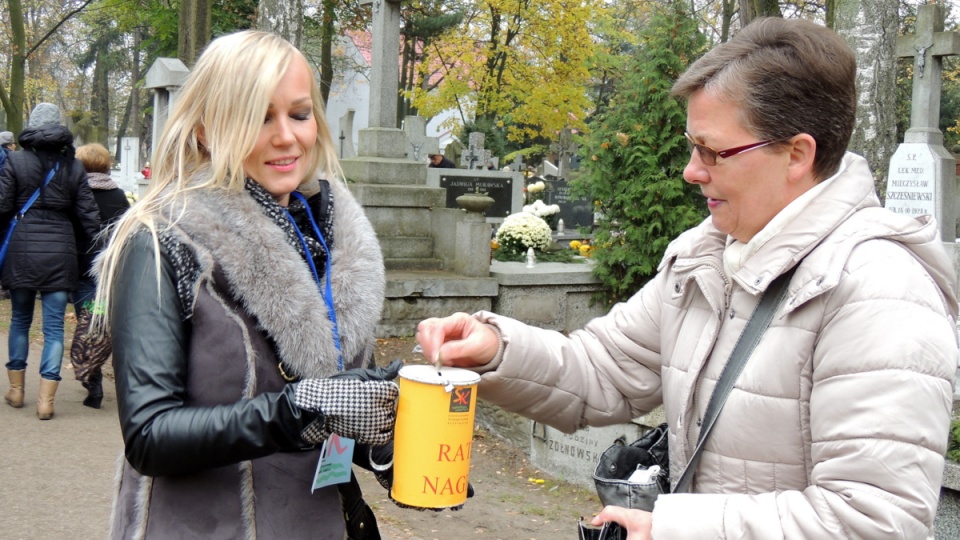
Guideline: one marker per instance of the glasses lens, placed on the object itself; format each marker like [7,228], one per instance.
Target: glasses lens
[707,155]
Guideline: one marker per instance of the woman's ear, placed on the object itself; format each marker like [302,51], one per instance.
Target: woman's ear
[803,150]
[201,136]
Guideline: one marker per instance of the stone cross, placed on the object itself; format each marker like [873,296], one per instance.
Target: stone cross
[384,69]
[475,153]
[517,165]
[565,147]
[922,178]
[415,127]
[929,45]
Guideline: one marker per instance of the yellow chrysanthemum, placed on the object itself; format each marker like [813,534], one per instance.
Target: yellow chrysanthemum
[494,244]
[575,245]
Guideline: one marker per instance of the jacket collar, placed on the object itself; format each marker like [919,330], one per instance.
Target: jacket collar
[262,268]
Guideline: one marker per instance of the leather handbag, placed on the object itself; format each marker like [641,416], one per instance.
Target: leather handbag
[633,476]
[19,215]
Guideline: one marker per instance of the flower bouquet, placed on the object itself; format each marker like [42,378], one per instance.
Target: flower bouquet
[521,231]
[546,212]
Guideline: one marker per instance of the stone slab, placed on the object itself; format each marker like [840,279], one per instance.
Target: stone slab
[544,273]
[384,171]
[403,196]
[437,284]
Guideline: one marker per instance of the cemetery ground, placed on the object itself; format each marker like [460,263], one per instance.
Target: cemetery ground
[58,474]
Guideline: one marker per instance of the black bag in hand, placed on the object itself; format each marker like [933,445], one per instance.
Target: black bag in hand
[609,531]
[620,461]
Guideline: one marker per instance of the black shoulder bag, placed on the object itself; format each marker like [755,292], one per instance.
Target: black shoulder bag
[634,475]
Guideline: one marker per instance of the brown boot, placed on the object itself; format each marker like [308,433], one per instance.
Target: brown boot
[45,401]
[14,396]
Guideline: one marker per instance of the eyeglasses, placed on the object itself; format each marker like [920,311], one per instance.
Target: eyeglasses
[709,155]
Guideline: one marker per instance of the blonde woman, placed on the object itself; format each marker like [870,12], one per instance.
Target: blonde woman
[234,290]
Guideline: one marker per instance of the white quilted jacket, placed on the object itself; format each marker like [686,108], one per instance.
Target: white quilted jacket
[838,424]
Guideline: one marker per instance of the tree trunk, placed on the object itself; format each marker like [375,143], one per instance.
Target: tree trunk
[284,18]
[327,28]
[131,112]
[100,95]
[13,102]
[194,29]
[870,28]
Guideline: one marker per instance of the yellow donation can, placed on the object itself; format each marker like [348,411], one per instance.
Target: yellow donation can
[433,437]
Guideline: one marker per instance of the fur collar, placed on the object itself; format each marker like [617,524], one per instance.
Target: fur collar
[272,283]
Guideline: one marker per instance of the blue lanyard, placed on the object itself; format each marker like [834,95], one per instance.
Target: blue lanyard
[325,290]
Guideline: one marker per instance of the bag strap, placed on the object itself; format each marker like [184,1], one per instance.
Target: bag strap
[756,326]
[36,193]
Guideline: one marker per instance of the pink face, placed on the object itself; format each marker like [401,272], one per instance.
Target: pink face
[282,156]
[744,191]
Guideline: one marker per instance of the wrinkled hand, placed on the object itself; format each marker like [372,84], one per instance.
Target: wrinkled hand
[362,410]
[458,340]
[637,523]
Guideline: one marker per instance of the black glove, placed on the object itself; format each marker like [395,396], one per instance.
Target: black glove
[363,410]
[378,460]
[387,373]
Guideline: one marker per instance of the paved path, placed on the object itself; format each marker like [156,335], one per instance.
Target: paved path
[57,475]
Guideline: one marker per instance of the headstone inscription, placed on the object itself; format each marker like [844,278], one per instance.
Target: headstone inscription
[498,186]
[574,212]
[922,176]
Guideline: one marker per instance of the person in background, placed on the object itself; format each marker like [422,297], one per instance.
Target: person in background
[89,351]
[242,293]
[42,256]
[7,145]
[439,161]
[837,425]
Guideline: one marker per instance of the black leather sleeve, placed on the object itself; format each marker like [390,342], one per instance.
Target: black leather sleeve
[162,435]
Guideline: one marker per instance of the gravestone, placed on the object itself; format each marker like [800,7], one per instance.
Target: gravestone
[574,212]
[498,185]
[129,164]
[384,72]
[517,165]
[565,148]
[165,77]
[922,176]
[420,146]
[345,138]
[475,156]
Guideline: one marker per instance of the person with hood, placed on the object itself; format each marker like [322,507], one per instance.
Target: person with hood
[242,294]
[42,256]
[7,145]
[837,425]
[90,350]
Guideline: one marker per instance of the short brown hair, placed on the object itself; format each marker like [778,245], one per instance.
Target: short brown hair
[788,77]
[95,157]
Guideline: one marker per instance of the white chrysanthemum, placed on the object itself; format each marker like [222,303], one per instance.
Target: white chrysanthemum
[524,230]
[541,210]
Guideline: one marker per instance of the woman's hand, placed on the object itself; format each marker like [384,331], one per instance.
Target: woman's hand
[637,523]
[457,340]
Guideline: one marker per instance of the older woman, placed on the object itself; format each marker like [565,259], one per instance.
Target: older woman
[838,423]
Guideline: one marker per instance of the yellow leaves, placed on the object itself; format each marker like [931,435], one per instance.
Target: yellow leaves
[605,145]
[623,138]
[494,244]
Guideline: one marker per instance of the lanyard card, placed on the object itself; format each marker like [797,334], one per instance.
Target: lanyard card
[336,462]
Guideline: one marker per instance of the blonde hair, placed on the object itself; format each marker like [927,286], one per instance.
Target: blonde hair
[212,128]
[95,157]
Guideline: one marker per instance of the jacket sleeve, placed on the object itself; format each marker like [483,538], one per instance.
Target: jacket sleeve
[86,213]
[162,435]
[606,373]
[883,365]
